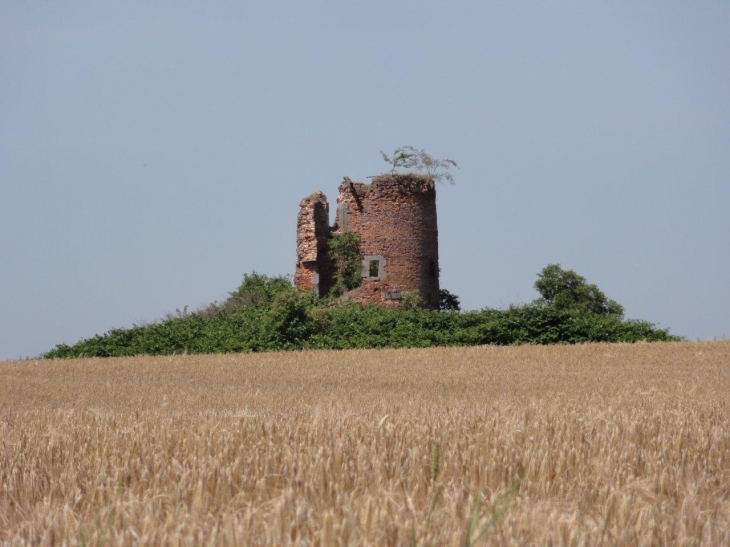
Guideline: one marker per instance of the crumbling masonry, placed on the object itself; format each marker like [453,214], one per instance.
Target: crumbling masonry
[394,218]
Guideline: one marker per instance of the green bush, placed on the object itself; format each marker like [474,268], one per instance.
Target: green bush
[258,289]
[268,314]
[288,324]
[344,250]
[295,322]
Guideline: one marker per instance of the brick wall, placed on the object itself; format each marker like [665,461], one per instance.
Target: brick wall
[314,268]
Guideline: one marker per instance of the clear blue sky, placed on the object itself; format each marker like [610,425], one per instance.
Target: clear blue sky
[153,152]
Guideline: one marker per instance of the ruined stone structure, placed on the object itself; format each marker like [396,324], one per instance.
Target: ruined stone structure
[394,218]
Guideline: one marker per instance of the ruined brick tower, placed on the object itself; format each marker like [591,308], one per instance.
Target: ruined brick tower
[394,218]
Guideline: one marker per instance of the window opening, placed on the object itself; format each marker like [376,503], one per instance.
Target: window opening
[374,268]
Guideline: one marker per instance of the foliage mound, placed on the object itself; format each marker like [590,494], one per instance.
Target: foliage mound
[268,314]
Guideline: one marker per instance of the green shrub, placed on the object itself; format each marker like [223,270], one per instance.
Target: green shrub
[410,300]
[344,250]
[268,314]
[259,290]
[288,324]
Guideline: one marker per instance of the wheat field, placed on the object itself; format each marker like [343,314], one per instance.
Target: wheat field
[582,445]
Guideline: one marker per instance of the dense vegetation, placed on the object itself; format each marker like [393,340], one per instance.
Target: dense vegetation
[344,250]
[268,314]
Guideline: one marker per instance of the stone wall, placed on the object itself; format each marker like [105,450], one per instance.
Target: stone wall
[395,220]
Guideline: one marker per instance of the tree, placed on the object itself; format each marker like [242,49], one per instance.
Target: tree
[566,290]
[407,157]
[448,301]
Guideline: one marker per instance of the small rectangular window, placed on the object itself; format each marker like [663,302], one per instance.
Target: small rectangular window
[374,268]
